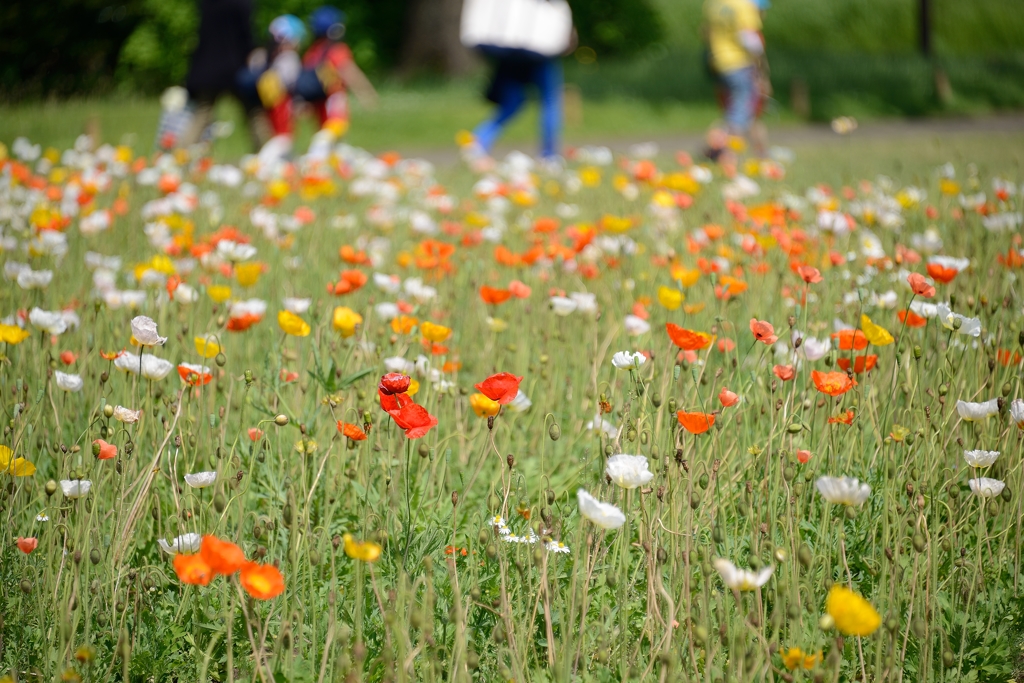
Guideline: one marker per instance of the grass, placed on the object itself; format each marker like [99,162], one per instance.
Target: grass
[427,587]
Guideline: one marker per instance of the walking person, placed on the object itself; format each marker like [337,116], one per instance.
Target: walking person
[525,53]
[736,57]
[225,41]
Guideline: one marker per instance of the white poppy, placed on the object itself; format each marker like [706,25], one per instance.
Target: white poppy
[628,471]
[200,480]
[34,279]
[296,305]
[843,490]
[75,488]
[952,262]
[979,458]
[625,360]
[984,487]
[1017,412]
[399,364]
[520,404]
[152,368]
[144,331]
[604,515]
[185,544]
[561,305]
[741,579]
[635,326]
[49,321]
[968,326]
[585,302]
[924,309]
[599,424]
[386,310]
[971,412]
[253,307]
[388,283]
[126,415]
[812,349]
[68,382]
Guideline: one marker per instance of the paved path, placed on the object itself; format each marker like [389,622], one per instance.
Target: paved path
[793,135]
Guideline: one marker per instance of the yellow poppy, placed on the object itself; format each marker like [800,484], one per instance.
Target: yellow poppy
[876,334]
[207,347]
[670,298]
[435,333]
[795,658]
[12,334]
[219,293]
[248,274]
[367,551]
[854,616]
[292,324]
[345,320]
[483,406]
[414,387]
[590,176]
[18,467]
[404,324]
[685,276]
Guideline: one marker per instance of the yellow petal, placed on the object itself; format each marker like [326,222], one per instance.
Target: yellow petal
[206,347]
[876,334]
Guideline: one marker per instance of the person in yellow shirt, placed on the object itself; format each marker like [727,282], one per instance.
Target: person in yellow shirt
[732,30]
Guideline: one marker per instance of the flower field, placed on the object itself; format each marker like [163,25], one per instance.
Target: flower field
[360,419]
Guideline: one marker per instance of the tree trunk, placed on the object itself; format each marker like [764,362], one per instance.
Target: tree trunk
[432,39]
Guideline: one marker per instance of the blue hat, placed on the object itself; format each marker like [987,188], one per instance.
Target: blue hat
[762,4]
[327,21]
[287,28]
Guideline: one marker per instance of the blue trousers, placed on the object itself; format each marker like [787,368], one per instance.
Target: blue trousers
[510,94]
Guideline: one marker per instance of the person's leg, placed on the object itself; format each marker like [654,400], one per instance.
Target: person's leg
[549,83]
[740,109]
[511,96]
[202,116]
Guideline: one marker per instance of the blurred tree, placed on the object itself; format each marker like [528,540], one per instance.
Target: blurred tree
[60,47]
[615,28]
[432,38]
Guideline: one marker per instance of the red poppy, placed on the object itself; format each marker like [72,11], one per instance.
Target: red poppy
[27,545]
[67,357]
[192,569]
[194,375]
[728,398]
[921,286]
[843,418]
[413,418]
[763,331]
[1007,357]
[352,431]
[223,557]
[725,345]
[784,372]
[287,376]
[832,383]
[519,290]
[696,423]
[391,402]
[255,433]
[262,581]
[494,296]
[851,340]
[861,363]
[911,319]
[687,340]
[809,274]
[106,451]
[502,387]
[243,322]
[803,456]
[940,273]
[394,383]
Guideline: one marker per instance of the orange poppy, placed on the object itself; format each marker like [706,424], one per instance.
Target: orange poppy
[728,398]
[243,322]
[851,340]
[725,345]
[255,433]
[545,224]
[921,286]
[502,387]
[506,257]
[763,331]
[911,319]
[349,281]
[223,557]
[519,289]
[111,355]
[262,581]
[349,254]
[861,363]
[696,423]
[352,431]
[940,273]
[832,383]
[688,340]
[1007,357]
[843,418]
[104,450]
[809,274]
[784,372]
[494,296]
[192,569]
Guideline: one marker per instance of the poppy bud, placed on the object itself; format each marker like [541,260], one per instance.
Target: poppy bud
[281,420]
[455,498]
[1006,389]
[795,428]
[94,556]
[491,551]
[51,487]
[555,432]
[803,554]
[220,359]
[919,543]
[704,481]
[26,586]
[219,502]
[917,352]
[423,450]
[248,377]
[1006,494]
[943,389]
[108,411]
[918,627]
[656,400]
[672,404]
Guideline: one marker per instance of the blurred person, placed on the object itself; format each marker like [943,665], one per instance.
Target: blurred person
[225,41]
[736,58]
[269,80]
[524,53]
[329,71]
